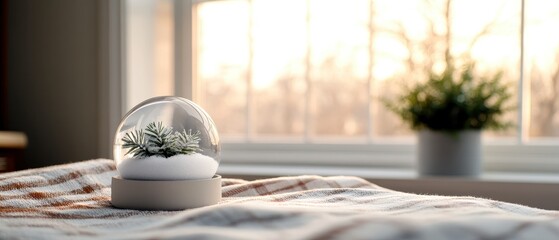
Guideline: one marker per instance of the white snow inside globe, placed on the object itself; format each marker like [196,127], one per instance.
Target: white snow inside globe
[167,138]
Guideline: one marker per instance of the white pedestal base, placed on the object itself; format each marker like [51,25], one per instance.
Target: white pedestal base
[165,195]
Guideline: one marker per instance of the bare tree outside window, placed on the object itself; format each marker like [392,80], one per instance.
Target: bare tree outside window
[316,69]
[542,67]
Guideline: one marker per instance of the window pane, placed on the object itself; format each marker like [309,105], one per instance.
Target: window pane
[278,68]
[542,67]
[321,71]
[339,61]
[222,63]
[493,41]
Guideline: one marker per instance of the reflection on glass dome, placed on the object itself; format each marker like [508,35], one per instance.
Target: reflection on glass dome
[167,138]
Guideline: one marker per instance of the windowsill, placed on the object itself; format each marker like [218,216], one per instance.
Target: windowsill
[498,158]
[269,170]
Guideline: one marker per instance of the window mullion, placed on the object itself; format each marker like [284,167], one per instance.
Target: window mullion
[523,115]
[184,50]
[249,91]
[370,92]
[308,67]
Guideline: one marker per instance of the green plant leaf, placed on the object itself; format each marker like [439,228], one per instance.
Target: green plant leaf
[457,99]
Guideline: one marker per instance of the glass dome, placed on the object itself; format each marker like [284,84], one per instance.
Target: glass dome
[167,138]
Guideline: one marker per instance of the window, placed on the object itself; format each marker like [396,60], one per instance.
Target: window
[299,81]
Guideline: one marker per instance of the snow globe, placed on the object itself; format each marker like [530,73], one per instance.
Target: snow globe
[167,152]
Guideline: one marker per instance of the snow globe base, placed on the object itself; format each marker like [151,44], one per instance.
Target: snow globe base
[165,195]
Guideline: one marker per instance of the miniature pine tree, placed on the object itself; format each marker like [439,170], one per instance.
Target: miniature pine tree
[157,140]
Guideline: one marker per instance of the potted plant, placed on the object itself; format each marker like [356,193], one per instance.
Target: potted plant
[449,110]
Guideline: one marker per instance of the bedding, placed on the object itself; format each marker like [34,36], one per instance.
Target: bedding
[72,201]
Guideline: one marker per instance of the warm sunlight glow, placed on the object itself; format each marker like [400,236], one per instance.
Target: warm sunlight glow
[315,69]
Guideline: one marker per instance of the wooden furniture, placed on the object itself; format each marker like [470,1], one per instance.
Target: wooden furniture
[12,145]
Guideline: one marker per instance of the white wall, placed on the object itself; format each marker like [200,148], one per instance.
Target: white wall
[53,78]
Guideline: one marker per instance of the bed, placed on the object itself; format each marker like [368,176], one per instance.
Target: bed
[72,201]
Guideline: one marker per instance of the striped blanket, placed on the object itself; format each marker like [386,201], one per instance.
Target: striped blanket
[73,202]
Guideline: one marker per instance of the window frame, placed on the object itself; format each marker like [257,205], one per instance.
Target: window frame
[518,155]
[112,65]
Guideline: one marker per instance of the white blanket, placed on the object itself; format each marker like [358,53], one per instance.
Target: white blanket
[73,202]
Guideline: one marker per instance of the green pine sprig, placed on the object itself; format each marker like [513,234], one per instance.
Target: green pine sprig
[158,140]
[136,143]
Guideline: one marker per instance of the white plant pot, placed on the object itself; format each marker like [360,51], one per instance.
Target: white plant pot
[449,154]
